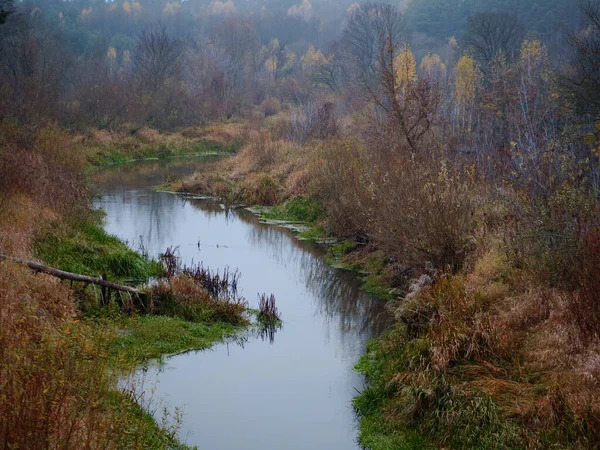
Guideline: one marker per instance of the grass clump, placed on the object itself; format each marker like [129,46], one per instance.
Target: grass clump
[84,247]
[299,209]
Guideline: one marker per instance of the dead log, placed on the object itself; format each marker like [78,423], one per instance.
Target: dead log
[37,267]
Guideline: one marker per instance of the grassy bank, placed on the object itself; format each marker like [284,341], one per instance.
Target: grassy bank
[105,149]
[63,348]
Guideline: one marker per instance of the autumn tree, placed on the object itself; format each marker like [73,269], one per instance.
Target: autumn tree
[406,67]
[35,62]
[464,90]
[432,66]
[241,42]
[157,66]
[411,103]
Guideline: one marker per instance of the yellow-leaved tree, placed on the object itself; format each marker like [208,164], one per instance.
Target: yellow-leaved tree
[312,59]
[534,58]
[406,67]
[465,88]
[432,66]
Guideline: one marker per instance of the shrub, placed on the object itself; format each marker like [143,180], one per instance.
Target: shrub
[270,107]
[196,294]
[57,379]
[416,209]
[585,301]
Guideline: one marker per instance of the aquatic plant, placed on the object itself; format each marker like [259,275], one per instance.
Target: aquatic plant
[267,309]
[196,293]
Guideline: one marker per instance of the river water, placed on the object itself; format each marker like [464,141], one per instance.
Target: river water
[293,393]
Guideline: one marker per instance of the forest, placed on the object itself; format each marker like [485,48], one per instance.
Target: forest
[449,150]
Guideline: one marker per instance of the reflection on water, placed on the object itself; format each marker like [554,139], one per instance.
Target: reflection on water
[292,390]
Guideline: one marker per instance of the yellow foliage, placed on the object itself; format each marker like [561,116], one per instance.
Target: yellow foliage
[406,67]
[271,64]
[312,59]
[126,58]
[534,57]
[466,80]
[172,8]
[111,54]
[432,65]
[126,7]
[86,12]
[533,52]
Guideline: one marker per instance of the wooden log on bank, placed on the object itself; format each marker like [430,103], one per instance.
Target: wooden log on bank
[37,267]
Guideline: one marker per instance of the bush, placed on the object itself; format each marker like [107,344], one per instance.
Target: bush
[57,378]
[418,210]
[196,294]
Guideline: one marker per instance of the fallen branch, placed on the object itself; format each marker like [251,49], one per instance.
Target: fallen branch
[35,266]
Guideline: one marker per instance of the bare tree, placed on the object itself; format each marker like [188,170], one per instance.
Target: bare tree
[488,34]
[365,28]
[6,9]
[411,104]
[583,77]
[241,42]
[157,56]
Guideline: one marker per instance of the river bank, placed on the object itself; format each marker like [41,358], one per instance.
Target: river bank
[65,347]
[492,354]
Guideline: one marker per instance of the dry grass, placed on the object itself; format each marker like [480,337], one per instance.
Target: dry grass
[259,174]
[50,368]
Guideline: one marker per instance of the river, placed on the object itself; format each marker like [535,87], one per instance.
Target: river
[293,393]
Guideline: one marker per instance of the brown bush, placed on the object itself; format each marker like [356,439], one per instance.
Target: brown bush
[270,107]
[50,171]
[50,368]
[416,209]
[338,169]
[585,302]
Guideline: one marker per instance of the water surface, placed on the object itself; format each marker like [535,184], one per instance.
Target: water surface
[293,393]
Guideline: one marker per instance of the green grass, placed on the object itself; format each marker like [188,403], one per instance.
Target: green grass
[111,155]
[426,409]
[141,428]
[378,284]
[151,337]
[313,233]
[300,209]
[85,248]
